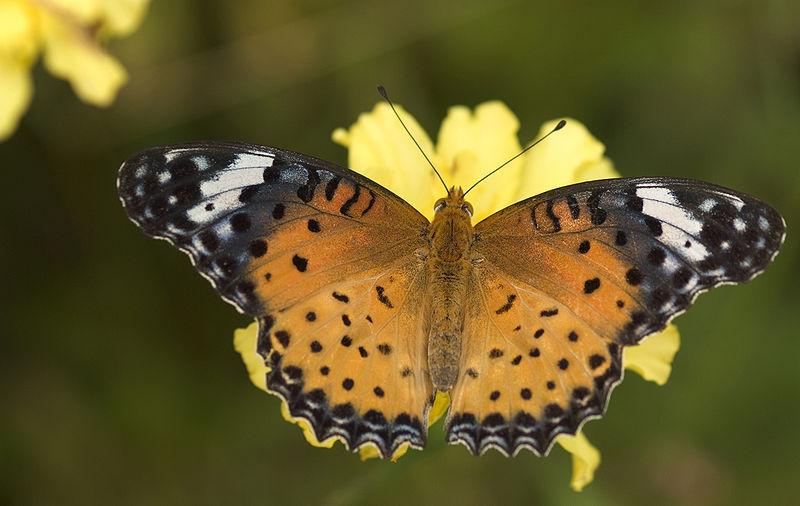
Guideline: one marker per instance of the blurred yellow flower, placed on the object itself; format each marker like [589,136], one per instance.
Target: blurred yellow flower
[69,34]
[469,144]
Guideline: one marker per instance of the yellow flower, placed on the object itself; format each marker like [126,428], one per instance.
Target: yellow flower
[470,143]
[69,34]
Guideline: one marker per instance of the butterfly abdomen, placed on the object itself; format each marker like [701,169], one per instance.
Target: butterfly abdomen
[447,296]
[449,268]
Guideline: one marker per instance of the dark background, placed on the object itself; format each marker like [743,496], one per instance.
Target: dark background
[119,382]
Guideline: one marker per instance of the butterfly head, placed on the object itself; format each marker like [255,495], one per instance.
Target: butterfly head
[450,232]
[454,203]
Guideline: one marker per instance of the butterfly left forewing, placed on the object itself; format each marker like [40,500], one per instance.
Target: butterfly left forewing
[242,211]
[596,266]
[323,257]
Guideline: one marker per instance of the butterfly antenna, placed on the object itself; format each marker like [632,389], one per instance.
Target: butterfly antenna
[382,92]
[558,127]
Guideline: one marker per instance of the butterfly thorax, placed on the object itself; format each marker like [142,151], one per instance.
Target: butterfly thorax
[448,267]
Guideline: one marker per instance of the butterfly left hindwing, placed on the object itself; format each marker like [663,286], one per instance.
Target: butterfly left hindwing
[570,277]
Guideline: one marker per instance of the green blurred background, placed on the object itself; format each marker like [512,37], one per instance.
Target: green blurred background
[119,381]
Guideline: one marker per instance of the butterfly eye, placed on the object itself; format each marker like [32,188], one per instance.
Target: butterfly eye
[440,204]
[467,209]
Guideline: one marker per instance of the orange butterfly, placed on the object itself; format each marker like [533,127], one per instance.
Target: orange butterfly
[366,309]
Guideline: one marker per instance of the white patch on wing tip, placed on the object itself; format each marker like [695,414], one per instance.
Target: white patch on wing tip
[676,239]
[738,224]
[175,153]
[670,264]
[201,162]
[224,203]
[708,205]
[233,179]
[245,160]
[656,193]
[736,201]
[660,203]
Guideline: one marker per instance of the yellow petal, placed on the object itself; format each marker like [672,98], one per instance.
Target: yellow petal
[19,37]
[368,452]
[371,452]
[569,156]
[122,17]
[244,342]
[585,459]
[439,408]
[16,90]
[652,358]
[401,450]
[490,135]
[381,150]
[308,432]
[82,12]
[72,54]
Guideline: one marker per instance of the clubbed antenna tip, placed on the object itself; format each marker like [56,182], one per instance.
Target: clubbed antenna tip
[382,92]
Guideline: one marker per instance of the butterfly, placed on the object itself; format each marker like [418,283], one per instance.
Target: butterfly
[366,309]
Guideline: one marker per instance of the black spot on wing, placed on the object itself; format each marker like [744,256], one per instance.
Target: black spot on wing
[653,225]
[382,297]
[598,215]
[240,222]
[574,207]
[345,209]
[300,263]
[330,188]
[496,353]
[552,215]
[306,191]
[248,193]
[590,285]
[508,305]
[371,202]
